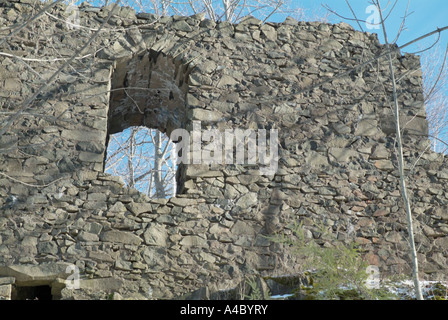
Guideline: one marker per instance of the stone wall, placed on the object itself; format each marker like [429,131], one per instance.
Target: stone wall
[336,151]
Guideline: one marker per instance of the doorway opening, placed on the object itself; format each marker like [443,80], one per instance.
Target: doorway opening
[42,292]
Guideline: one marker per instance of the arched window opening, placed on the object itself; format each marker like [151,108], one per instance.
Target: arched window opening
[145,159]
[146,104]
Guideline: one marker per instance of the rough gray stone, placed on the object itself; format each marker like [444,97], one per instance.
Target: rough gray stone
[248,200]
[366,127]
[138,208]
[155,235]
[47,248]
[342,154]
[193,241]
[5,292]
[123,237]
[335,142]
[87,236]
[330,45]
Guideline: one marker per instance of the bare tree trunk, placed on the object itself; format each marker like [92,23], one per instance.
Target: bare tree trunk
[150,184]
[227,9]
[158,162]
[173,169]
[130,159]
[414,260]
[164,8]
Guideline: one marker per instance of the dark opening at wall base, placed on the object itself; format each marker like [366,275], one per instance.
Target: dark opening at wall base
[31,293]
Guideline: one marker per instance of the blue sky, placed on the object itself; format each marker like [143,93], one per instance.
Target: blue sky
[426,16]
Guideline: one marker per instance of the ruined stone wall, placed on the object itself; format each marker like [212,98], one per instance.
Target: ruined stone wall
[336,150]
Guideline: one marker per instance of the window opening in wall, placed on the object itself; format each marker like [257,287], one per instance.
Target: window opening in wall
[145,159]
[31,293]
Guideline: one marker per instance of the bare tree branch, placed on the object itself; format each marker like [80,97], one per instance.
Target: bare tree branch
[53,77]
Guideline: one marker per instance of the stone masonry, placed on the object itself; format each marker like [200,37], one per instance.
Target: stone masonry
[60,212]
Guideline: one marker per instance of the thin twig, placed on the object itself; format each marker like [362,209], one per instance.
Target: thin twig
[36,16]
[54,75]
[388,51]
[32,185]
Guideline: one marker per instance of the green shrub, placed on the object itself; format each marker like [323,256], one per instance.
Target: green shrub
[338,270]
[255,290]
